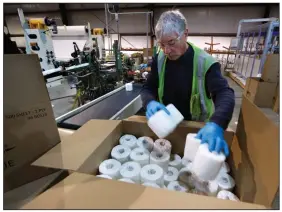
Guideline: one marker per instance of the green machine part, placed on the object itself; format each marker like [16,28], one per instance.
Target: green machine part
[118,57]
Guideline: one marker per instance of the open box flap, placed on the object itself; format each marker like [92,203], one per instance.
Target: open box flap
[255,153]
[82,191]
[76,151]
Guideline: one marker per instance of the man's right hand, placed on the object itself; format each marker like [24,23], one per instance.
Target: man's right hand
[153,107]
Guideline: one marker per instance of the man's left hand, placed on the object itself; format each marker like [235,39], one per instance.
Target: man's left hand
[213,135]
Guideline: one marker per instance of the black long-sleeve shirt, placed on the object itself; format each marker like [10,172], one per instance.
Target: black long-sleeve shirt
[178,88]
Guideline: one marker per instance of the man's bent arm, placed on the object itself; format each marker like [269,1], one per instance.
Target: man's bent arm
[222,96]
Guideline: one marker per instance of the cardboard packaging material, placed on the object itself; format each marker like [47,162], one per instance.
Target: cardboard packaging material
[254,147]
[261,93]
[29,124]
[276,100]
[270,72]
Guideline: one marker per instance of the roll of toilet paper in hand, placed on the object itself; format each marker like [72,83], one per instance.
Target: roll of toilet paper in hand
[185,176]
[227,195]
[126,180]
[206,164]
[131,170]
[104,176]
[128,140]
[152,173]
[146,143]
[128,87]
[191,146]
[161,159]
[186,163]
[171,175]
[140,155]
[121,153]
[225,182]
[162,145]
[175,161]
[110,167]
[149,184]
[163,124]
[177,186]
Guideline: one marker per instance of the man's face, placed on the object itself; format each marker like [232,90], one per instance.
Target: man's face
[173,45]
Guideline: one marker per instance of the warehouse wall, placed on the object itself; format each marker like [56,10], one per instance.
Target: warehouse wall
[200,20]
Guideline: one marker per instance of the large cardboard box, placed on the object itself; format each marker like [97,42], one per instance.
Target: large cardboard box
[276,100]
[261,93]
[256,180]
[29,124]
[270,72]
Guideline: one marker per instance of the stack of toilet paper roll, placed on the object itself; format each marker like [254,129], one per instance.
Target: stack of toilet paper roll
[128,140]
[161,159]
[162,145]
[140,155]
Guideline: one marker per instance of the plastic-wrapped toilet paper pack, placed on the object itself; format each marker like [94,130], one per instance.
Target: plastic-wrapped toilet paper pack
[121,153]
[210,188]
[140,155]
[186,163]
[206,164]
[161,124]
[104,176]
[162,145]
[177,186]
[131,170]
[128,87]
[225,182]
[227,195]
[185,175]
[150,184]
[145,143]
[161,159]
[126,180]
[175,161]
[171,175]
[110,167]
[152,173]
[191,146]
[175,114]
[128,140]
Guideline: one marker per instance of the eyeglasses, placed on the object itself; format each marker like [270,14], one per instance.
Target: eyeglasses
[170,43]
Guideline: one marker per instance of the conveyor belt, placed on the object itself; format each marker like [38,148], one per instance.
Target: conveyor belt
[104,109]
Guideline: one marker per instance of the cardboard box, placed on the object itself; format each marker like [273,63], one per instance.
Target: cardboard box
[29,124]
[276,100]
[261,93]
[256,180]
[270,72]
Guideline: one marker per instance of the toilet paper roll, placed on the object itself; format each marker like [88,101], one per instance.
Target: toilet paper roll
[146,143]
[131,170]
[186,163]
[225,182]
[177,186]
[162,145]
[121,153]
[206,164]
[212,188]
[128,87]
[128,140]
[110,167]
[175,161]
[171,175]
[185,176]
[152,173]
[227,195]
[161,124]
[140,155]
[149,184]
[126,180]
[104,176]
[175,114]
[191,146]
[161,159]
[225,168]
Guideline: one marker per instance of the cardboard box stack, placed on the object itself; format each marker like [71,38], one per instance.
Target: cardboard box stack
[254,164]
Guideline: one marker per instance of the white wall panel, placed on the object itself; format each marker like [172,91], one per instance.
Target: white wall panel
[216,19]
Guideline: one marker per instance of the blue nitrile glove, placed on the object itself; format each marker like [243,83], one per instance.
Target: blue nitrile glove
[213,135]
[153,107]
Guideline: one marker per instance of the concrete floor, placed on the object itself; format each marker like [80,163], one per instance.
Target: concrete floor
[18,197]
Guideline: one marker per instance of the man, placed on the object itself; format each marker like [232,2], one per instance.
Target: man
[190,79]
